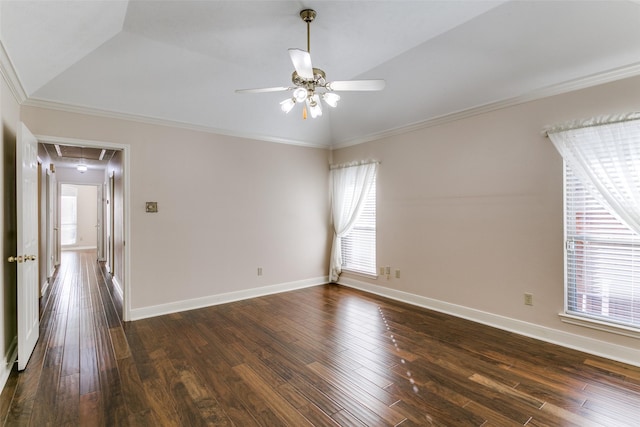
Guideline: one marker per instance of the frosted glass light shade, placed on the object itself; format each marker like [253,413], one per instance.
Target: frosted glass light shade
[300,94]
[288,104]
[314,106]
[331,99]
[81,168]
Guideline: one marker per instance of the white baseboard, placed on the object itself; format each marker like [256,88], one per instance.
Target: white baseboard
[44,287]
[9,359]
[117,285]
[191,304]
[78,248]
[619,353]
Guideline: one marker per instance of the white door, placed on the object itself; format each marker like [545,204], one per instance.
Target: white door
[100,236]
[27,222]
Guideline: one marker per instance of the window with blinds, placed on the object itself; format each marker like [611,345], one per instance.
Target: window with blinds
[359,246]
[603,260]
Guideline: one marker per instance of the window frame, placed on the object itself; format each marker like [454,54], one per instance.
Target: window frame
[571,316]
[373,260]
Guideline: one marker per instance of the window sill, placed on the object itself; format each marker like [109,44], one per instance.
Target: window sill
[358,273]
[599,325]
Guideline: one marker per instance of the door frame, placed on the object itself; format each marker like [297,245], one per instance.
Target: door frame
[126,174]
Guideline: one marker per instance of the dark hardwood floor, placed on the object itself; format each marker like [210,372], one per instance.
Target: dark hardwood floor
[326,355]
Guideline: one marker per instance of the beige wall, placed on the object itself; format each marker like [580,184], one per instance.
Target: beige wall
[471,211]
[226,207]
[9,115]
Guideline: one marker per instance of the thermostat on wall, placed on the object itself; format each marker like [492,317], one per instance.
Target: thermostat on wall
[151,207]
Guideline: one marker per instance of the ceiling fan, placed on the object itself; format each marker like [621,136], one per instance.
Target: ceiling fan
[310,84]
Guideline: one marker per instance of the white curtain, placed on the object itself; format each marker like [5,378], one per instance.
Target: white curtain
[604,154]
[350,186]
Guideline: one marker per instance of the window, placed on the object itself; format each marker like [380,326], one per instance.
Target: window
[602,260]
[68,215]
[602,221]
[359,246]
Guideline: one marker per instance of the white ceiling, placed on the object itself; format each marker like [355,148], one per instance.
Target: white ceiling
[182,60]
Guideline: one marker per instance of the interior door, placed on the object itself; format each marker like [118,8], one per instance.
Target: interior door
[27,236]
[99,231]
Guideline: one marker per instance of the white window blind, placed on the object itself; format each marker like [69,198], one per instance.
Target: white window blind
[359,246]
[603,260]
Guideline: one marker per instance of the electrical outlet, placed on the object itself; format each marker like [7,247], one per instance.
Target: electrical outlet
[387,270]
[381,271]
[397,273]
[259,271]
[528,299]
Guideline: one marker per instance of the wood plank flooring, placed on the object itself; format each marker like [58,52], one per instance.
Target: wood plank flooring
[322,356]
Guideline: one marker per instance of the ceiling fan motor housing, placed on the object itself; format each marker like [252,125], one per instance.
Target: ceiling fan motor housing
[319,79]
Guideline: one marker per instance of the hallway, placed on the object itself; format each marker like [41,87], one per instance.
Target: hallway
[74,359]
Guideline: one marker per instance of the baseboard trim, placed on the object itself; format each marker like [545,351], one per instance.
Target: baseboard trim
[211,300]
[10,358]
[117,285]
[78,248]
[44,287]
[615,352]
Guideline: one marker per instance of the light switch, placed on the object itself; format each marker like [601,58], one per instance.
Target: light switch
[151,207]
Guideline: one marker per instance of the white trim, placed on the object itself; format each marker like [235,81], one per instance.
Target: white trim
[211,300]
[126,174]
[599,325]
[620,73]
[79,109]
[117,285]
[11,77]
[557,89]
[616,352]
[9,359]
[44,287]
[77,248]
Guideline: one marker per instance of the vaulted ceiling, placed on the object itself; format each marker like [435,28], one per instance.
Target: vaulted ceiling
[180,61]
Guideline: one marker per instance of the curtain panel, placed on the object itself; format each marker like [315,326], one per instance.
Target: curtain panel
[350,186]
[603,153]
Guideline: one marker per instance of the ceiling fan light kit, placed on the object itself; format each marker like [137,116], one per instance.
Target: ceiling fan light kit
[309,84]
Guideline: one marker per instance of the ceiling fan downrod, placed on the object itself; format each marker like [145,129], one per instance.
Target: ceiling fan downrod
[308,15]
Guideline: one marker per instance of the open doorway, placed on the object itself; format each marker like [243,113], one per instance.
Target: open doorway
[85,186]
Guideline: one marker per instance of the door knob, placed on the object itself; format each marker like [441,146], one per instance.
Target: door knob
[17,259]
[30,257]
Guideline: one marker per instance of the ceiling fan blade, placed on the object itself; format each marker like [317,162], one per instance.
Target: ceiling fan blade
[302,63]
[356,85]
[263,90]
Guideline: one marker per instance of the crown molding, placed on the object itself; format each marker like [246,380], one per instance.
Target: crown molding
[8,71]
[557,89]
[80,109]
